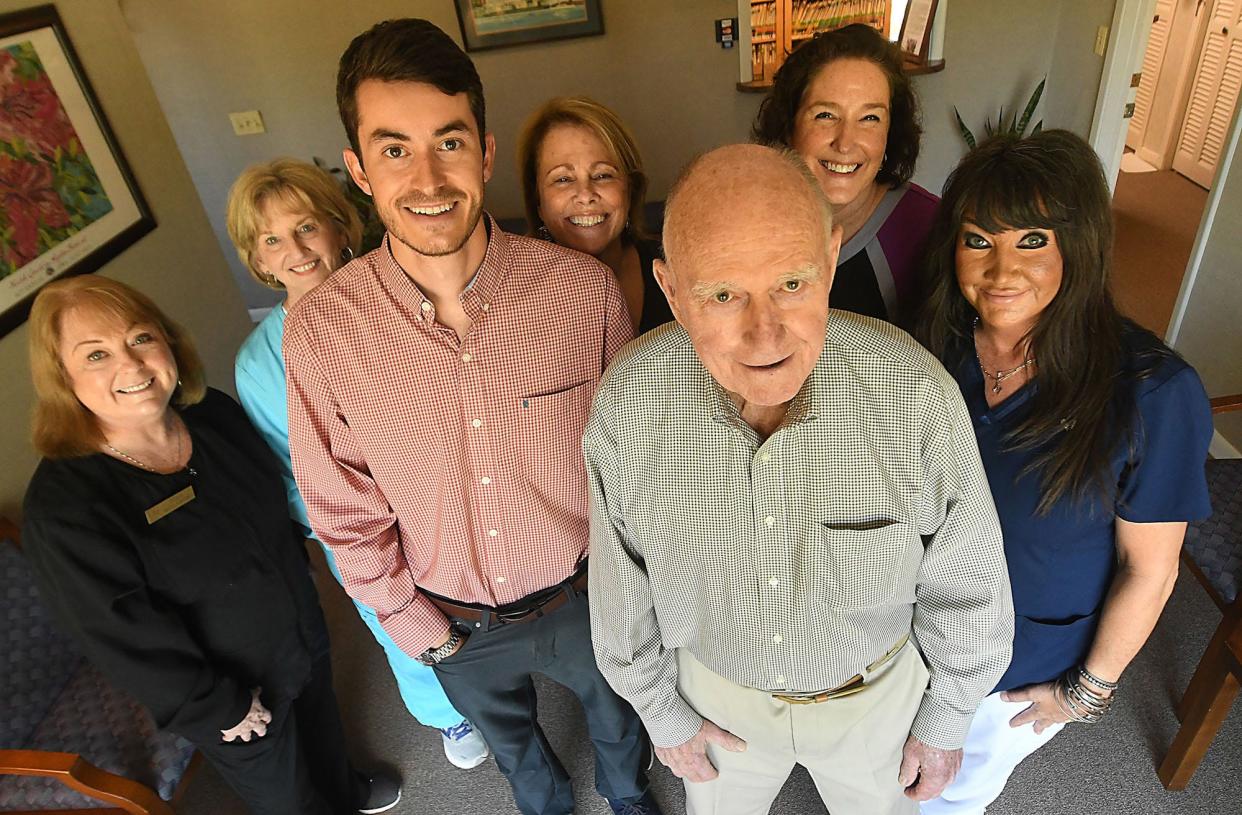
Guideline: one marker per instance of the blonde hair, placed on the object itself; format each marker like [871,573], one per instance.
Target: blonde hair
[608,128]
[63,427]
[301,187]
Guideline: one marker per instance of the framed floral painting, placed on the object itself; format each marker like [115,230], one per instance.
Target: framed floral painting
[69,201]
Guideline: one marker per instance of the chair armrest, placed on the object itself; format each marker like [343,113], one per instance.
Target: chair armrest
[1224,404]
[76,772]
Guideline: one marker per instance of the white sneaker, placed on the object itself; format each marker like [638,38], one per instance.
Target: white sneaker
[463,746]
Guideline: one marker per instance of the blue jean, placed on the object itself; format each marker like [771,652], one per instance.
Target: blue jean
[420,689]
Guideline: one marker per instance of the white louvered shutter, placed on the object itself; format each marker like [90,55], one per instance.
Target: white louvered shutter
[1153,60]
[1213,96]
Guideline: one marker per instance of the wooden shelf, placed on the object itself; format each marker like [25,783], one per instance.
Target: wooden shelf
[919,69]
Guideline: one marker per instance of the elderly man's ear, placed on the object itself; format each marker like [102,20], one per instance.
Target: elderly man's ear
[668,285]
[834,252]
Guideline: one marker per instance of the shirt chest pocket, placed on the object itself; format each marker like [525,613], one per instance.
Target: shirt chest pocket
[865,567]
[550,428]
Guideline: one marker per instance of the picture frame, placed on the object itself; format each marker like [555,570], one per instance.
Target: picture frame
[915,34]
[501,23]
[71,202]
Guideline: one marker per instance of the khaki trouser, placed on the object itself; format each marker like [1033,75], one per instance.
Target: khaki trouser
[851,746]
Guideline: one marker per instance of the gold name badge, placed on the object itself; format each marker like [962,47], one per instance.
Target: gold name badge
[170,505]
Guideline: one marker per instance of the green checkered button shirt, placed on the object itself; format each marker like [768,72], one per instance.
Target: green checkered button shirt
[791,563]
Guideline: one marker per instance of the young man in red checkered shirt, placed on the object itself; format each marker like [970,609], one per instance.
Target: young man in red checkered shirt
[438,390]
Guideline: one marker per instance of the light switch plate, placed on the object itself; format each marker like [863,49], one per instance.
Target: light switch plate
[247,123]
[1101,40]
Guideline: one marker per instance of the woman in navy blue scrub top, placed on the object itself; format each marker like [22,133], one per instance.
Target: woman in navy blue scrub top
[1093,434]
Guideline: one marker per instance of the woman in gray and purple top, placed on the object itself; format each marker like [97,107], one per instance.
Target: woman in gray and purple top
[842,102]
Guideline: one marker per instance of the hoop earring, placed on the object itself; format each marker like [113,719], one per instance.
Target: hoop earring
[347,253]
[544,234]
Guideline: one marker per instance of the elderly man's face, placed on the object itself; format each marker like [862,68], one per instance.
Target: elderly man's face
[754,300]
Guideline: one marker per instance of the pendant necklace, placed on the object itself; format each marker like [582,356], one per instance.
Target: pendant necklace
[149,468]
[1000,376]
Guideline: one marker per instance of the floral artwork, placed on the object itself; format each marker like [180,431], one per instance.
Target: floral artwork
[69,203]
[49,188]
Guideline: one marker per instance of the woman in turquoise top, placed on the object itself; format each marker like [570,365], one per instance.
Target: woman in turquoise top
[293,227]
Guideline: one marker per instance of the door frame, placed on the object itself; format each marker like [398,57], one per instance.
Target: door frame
[1127,43]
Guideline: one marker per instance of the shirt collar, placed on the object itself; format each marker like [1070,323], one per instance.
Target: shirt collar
[804,407]
[480,290]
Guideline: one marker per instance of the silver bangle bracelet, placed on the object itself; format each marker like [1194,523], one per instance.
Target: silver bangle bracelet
[1092,679]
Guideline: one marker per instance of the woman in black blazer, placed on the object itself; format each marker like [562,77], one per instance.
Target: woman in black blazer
[158,531]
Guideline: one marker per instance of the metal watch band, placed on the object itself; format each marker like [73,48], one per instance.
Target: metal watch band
[432,656]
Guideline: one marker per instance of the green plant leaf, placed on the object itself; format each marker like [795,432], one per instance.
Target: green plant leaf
[1038,127]
[1031,104]
[966,134]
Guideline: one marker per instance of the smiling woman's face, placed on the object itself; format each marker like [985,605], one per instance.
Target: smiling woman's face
[1009,277]
[584,198]
[841,130]
[125,375]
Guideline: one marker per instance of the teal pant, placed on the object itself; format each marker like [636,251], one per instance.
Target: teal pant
[420,689]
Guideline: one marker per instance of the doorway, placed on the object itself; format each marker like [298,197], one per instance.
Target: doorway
[1187,90]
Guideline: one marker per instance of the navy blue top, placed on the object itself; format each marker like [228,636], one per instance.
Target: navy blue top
[1061,563]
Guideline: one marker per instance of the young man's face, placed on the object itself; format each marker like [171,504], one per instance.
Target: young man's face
[423,162]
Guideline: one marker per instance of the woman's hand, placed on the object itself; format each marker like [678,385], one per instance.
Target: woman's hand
[254,725]
[1047,707]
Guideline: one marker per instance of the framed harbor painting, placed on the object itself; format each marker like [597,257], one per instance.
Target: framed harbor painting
[497,23]
[70,203]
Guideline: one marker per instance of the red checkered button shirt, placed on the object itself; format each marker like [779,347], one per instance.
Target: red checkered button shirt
[446,464]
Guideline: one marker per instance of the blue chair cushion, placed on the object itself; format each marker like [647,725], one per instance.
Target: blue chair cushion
[108,729]
[52,699]
[36,659]
[1215,545]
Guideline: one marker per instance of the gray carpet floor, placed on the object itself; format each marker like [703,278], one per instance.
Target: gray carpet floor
[1086,770]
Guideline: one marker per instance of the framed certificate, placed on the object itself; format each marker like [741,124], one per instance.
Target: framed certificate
[916,29]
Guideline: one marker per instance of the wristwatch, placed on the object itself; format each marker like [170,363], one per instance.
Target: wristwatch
[433,656]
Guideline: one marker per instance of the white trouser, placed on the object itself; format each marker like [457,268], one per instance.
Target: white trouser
[992,750]
[851,746]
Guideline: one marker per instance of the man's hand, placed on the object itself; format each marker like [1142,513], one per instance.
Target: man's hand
[254,724]
[926,771]
[689,760]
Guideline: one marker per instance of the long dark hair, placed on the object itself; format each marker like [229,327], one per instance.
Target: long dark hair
[774,124]
[1080,412]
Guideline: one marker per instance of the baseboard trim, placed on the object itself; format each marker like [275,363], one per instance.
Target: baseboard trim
[1220,448]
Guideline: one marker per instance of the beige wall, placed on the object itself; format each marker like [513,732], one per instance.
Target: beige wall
[178,264]
[657,64]
[1074,69]
[1209,337]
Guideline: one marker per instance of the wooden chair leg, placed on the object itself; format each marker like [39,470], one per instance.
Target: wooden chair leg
[1207,675]
[1215,687]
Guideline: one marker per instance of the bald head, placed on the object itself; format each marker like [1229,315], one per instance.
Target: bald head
[751,255]
[742,192]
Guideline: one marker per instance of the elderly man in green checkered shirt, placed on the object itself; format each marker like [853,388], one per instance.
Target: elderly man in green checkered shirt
[795,558]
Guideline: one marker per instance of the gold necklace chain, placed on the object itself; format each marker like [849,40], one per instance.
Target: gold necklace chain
[148,467]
